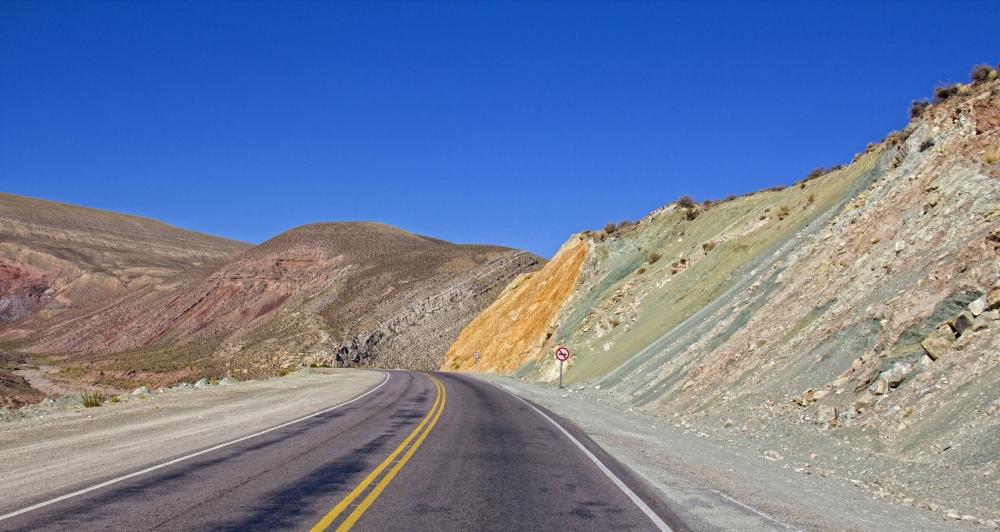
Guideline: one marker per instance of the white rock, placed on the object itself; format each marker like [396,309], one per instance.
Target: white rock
[978,306]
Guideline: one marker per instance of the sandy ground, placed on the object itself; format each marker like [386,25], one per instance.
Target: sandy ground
[62,448]
[714,485]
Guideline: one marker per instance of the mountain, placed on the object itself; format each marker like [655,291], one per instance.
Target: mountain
[850,307]
[119,301]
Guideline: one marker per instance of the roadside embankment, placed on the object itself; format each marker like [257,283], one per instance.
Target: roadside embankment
[714,481]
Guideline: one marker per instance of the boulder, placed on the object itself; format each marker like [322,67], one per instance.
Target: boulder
[203,383]
[992,315]
[826,414]
[865,402]
[962,321]
[228,381]
[47,402]
[897,374]
[938,344]
[981,322]
[73,399]
[306,371]
[993,300]
[879,387]
[182,386]
[141,391]
[805,398]
[978,306]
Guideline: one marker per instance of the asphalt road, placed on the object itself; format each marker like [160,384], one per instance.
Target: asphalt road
[437,451]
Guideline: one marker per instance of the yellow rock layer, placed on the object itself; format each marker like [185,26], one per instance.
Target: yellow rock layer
[513,328]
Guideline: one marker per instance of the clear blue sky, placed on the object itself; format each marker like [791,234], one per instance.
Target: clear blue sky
[512,123]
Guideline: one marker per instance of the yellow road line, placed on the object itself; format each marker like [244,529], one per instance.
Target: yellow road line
[360,510]
[342,505]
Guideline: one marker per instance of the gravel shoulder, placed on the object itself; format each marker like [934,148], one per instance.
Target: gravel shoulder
[716,484]
[55,449]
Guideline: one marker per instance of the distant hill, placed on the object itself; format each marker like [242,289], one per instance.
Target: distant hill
[121,301]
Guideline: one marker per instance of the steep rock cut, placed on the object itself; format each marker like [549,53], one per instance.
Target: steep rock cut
[516,326]
[859,306]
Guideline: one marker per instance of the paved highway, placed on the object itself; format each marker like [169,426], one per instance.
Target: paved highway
[421,451]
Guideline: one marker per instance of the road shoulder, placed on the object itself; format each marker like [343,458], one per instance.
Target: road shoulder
[711,485]
[58,449]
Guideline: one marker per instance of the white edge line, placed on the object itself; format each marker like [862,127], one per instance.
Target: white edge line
[186,457]
[752,509]
[621,485]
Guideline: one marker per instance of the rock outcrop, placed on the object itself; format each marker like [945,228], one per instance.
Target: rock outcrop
[857,300]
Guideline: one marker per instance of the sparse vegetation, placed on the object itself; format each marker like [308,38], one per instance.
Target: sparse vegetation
[708,246]
[653,257]
[918,107]
[992,158]
[686,202]
[981,74]
[783,212]
[691,214]
[731,197]
[641,271]
[284,372]
[812,198]
[610,228]
[93,399]
[942,93]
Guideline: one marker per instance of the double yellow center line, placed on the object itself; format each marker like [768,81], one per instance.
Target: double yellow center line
[409,445]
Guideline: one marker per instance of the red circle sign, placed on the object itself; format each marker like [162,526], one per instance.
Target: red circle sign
[475,355]
[562,354]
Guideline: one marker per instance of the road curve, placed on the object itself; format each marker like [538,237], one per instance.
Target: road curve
[423,451]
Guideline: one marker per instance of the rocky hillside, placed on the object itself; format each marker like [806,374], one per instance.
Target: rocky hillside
[856,309]
[118,301]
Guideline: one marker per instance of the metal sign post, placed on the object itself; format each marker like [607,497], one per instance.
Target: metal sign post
[562,355]
[475,356]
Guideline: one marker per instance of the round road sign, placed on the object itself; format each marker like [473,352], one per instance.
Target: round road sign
[475,355]
[562,354]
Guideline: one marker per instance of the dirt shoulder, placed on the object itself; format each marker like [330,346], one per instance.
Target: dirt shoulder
[57,448]
[714,484]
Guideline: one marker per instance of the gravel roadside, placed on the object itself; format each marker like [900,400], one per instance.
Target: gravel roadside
[716,485]
[58,448]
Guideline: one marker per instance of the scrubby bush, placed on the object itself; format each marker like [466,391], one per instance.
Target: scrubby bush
[686,202]
[691,214]
[707,203]
[284,372]
[782,212]
[918,107]
[812,198]
[653,257]
[708,246]
[980,73]
[992,158]
[817,172]
[942,93]
[92,399]
[731,197]
[610,228]
[641,271]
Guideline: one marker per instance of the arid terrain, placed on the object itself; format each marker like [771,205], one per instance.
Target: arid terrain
[109,302]
[845,326]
